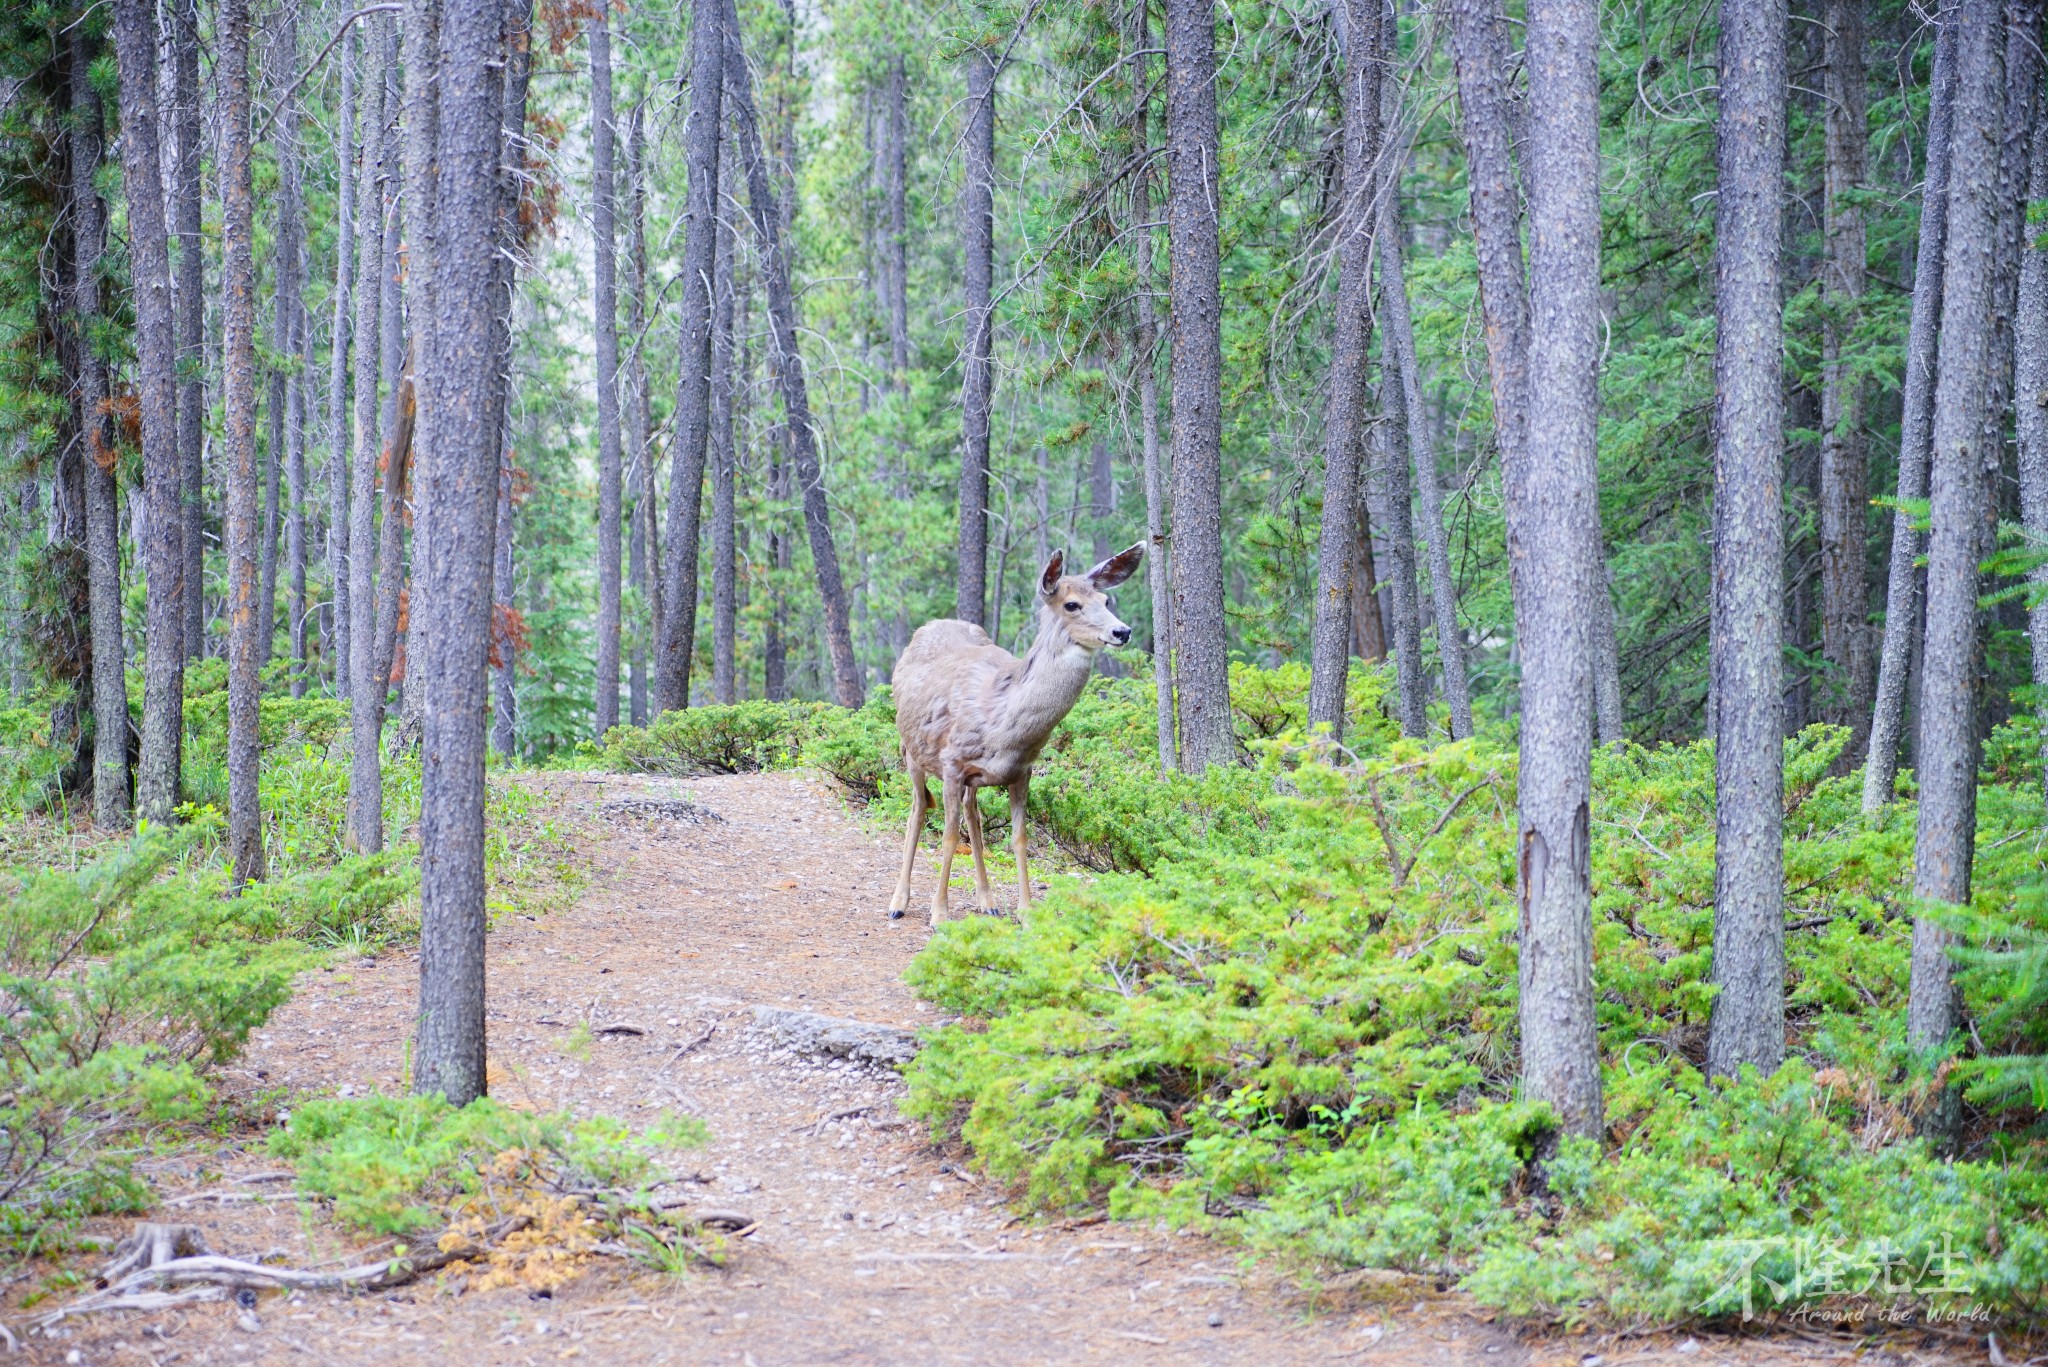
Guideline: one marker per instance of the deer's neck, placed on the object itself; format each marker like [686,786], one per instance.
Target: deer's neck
[1049,681]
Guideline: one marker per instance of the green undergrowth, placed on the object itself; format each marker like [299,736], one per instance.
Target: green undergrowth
[406,1164]
[1286,1007]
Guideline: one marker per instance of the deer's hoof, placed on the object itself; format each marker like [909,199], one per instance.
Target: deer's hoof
[895,913]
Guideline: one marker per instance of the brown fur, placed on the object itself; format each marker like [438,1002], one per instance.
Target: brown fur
[975,716]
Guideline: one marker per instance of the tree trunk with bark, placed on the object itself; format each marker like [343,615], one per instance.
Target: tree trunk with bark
[1844,462]
[1344,413]
[1557,493]
[1748,1020]
[605,302]
[899,240]
[1201,630]
[789,367]
[1946,835]
[1145,363]
[724,547]
[238,442]
[510,241]
[458,515]
[2030,417]
[163,555]
[977,381]
[339,474]
[374,201]
[710,57]
[291,340]
[89,395]
[188,196]
[1398,345]
[1902,606]
[639,481]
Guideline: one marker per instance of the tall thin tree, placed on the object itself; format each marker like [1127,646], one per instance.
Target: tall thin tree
[1844,462]
[1201,631]
[1145,363]
[1344,412]
[1557,495]
[1748,1021]
[188,210]
[897,254]
[789,369]
[149,266]
[463,52]
[724,539]
[977,357]
[94,430]
[1945,840]
[1916,415]
[605,328]
[238,441]
[339,474]
[639,482]
[373,200]
[708,78]
[2030,418]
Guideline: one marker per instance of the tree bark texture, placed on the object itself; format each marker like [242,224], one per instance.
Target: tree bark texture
[605,303]
[1844,460]
[93,429]
[458,483]
[1345,426]
[1748,1018]
[238,441]
[374,201]
[1557,494]
[2021,78]
[163,551]
[724,547]
[1201,630]
[977,358]
[899,240]
[291,340]
[710,57]
[1902,607]
[789,367]
[339,472]
[2030,416]
[1145,362]
[639,481]
[1946,836]
[188,196]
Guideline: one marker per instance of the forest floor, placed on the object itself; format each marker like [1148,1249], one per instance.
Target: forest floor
[872,1246]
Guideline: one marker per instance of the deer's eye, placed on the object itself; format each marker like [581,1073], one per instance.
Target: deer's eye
[1073,607]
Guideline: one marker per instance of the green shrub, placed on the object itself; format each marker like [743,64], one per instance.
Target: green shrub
[394,1165]
[738,739]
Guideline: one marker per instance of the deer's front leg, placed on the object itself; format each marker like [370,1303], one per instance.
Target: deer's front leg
[977,841]
[920,804]
[951,791]
[1020,795]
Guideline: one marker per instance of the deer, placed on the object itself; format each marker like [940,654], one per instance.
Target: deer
[975,716]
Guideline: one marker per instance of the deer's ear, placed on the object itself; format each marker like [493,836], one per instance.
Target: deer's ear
[1117,568]
[1050,580]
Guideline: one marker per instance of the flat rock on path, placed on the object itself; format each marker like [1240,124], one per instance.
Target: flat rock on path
[701,956]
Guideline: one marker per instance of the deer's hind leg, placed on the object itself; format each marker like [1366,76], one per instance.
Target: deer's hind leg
[977,839]
[952,790]
[1020,794]
[920,805]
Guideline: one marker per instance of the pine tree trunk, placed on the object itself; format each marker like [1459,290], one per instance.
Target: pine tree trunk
[339,474]
[1388,493]
[1902,607]
[1844,463]
[398,407]
[1748,1020]
[504,677]
[899,241]
[238,442]
[708,76]
[1344,413]
[1557,493]
[458,516]
[291,340]
[421,20]
[375,184]
[724,548]
[1368,630]
[2030,416]
[509,243]
[1145,362]
[638,472]
[88,222]
[789,367]
[1946,835]
[2023,37]
[605,302]
[1398,344]
[149,265]
[188,197]
[1201,632]
[977,380]
[272,458]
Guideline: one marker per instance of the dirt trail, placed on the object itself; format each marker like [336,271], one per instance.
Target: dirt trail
[872,1246]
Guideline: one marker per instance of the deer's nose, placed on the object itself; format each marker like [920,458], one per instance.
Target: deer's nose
[1121,635]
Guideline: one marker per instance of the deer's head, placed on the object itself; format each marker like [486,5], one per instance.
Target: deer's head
[1079,603]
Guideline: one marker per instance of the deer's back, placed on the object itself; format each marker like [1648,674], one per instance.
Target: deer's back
[940,679]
